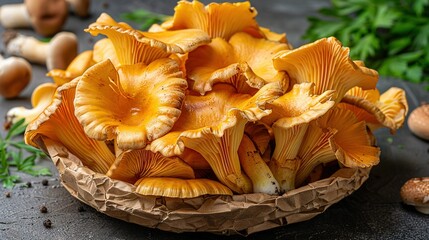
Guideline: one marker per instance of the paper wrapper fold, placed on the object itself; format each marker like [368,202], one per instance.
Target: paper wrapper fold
[239,214]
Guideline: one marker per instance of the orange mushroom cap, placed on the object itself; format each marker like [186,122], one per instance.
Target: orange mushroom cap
[242,57]
[134,105]
[217,19]
[133,46]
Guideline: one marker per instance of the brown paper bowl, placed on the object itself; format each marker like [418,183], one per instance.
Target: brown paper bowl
[239,214]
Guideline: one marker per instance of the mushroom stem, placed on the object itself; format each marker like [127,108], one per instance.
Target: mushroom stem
[14,16]
[254,166]
[15,74]
[285,161]
[56,54]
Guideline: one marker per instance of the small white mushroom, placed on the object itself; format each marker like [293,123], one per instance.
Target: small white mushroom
[79,7]
[46,16]
[418,121]
[15,74]
[56,54]
[415,192]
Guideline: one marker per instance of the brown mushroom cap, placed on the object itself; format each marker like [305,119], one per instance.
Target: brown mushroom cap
[62,50]
[15,74]
[415,192]
[47,16]
[418,121]
[79,7]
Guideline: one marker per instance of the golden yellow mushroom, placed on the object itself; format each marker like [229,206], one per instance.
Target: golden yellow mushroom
[40,99]
[327,64]
[386,110]
[136,164]
[180,188]
[242,57]
[213,125]
[134,105]
[103,50]
[217,19]
[343,137]
[260,134]
[133,46]
[76,68]
[292,113]
[59,123]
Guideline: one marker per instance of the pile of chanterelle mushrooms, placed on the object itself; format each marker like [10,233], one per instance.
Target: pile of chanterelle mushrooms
[209,102]
[46,18]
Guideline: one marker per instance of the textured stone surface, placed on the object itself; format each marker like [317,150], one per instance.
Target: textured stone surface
[373,212]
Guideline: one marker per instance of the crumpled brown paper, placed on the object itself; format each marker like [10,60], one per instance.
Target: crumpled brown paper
[238,214]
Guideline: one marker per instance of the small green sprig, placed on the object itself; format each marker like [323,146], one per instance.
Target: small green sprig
[14,153]
[144,17]
[391,36]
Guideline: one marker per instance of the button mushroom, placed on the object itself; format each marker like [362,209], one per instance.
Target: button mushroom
[15,74]
[46,16]
[418,121]
[56,54]
[79,7]
[415,192]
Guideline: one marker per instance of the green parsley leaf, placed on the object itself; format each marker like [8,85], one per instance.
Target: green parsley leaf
[15,155]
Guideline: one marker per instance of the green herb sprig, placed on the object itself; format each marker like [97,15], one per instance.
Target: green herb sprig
[14,153]
[144,17]
[391,36]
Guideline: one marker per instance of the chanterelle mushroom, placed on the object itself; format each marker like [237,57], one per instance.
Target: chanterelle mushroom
[415,192]
[243,56]
[134,105]
[136,164]
[327,64]
[180,188]
[58,123]
[133,46]
[46,16]
[386,110]
[216,19]
[15,74]
[56,54]
[40,99]
[213,125]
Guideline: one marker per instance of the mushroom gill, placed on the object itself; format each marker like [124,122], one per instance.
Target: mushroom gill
[350,143]
[290,118]
[386,110]
[59,123]
[136,164]
[327,64]
[133,105]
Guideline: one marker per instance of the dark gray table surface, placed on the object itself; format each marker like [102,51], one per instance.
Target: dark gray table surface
[375,211]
